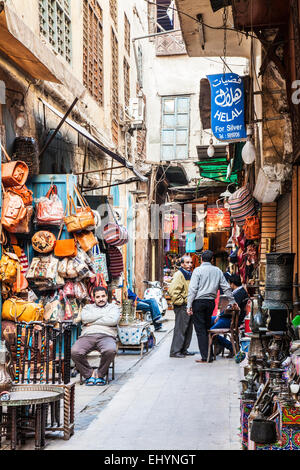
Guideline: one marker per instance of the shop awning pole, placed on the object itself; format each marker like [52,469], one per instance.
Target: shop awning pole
[110,185]
[100,170]
[58,127]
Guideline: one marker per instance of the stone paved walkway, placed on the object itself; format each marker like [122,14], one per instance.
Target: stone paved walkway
[166,403]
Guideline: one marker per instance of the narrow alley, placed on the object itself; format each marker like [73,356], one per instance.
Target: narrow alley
[167,403]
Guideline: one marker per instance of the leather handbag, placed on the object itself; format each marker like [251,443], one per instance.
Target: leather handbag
[24,192]
[86,240]
[24,226]
[14,173]
[13,209]
[15,309]
[81,218]
[50,209]
[65,248]
[9,267]
[43,241]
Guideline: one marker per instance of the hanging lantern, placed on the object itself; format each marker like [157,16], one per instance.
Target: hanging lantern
[249,151]
[211,149]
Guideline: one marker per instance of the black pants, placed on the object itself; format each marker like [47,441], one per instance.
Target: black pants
[202,312]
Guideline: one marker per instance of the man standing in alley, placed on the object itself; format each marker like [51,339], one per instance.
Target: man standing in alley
[178,291]
[205,282]
[99,332]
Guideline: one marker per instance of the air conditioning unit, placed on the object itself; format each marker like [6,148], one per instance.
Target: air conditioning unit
[136,110]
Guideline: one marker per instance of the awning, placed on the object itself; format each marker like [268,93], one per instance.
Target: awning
[216,167]
[26,49]
[208,41]
[96,142]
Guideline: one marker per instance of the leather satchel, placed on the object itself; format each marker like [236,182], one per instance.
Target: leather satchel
[81,218]
[15,309]
[86,240]
[25,194]
[13,210]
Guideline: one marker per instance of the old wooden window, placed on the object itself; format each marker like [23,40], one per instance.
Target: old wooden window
[126,82]
[127,34]
[115,85]
[93,49]
[175,127]
[55,25]
[113,6]
[115,75]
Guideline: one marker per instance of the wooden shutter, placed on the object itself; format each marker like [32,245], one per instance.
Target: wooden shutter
[283,224]
[268,226]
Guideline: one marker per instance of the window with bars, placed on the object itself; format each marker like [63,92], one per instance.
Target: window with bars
[175,127]
[113,6]
[126,82]
[55,25]
[127,34]
[165,15]
[93,49]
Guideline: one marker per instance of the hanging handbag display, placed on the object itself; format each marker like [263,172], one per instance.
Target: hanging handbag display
[82,218]
[14,173]
[116,265]
[43,268]
[13,210]
[25,225]
[50,209]
[25,194]
[15,309]
[86,239]
[99,262]
[66,247]
[252,228]
[241,204]
[9,267]
[115,234]
[43,241]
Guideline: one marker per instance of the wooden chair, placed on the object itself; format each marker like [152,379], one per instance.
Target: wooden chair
[232,332]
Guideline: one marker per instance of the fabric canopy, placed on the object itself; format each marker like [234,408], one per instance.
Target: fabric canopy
[96,142]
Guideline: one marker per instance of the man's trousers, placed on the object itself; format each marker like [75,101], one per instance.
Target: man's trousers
[183,331]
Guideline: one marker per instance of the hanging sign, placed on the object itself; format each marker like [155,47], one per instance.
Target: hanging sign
[227,106]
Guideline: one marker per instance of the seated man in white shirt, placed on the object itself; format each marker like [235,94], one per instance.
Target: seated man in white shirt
[99,332]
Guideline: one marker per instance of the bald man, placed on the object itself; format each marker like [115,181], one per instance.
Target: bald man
[178,292]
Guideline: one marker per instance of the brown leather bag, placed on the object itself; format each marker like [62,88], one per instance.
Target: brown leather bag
[82,217]
[86,240]
[13,210]
[25,194]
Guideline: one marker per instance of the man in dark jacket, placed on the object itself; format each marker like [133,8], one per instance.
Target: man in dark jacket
[224,319]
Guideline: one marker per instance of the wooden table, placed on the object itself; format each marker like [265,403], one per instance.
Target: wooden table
[20,398]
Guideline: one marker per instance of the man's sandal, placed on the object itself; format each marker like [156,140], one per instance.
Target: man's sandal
[90,381]
[100,381]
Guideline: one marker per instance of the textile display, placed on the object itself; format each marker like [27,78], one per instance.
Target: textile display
[241,205]
[116,264]
[190,242]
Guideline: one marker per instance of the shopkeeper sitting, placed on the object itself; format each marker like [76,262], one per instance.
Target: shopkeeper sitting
[99,332]
[223,320]
[147,305]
